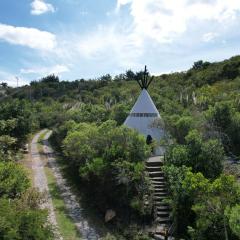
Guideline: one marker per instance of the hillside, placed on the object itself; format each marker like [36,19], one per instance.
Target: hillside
[201,113]
[206,87]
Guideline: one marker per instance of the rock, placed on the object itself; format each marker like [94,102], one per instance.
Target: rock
[109,215]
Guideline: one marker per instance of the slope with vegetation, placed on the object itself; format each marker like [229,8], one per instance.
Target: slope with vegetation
[201,112]
[20,215]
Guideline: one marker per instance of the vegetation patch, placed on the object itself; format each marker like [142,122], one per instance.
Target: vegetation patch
[66,226]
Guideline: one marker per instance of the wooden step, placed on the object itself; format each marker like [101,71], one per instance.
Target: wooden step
[158,184]
[154,161]
[156,158]
[163,213]
[159,198]
[160,190]
[153,168]
[160,194]
[163,220]
[162,208]
[159,203]
[157,179]
[154,164]
[156,174]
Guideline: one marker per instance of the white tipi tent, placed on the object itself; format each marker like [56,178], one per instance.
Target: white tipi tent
[144,116]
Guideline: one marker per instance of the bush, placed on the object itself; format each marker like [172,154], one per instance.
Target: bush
[13,180]
[110,161]
[205,156]
[19,220]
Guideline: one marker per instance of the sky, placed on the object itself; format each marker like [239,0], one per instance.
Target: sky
[88,38]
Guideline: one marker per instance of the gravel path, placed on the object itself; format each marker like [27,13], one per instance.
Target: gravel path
[40,181]
[74,209]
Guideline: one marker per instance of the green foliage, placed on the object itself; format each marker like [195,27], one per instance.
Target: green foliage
[177,155]
[182,127]
[200,109]
[119,113]
[110,160]
[211,203]
[180,198]
[16,119]
[17,222]
[13,180]
[195,199]
[201,155]
[7,146]
[50,79]
[234,219]
[200,65]
[81,145]
[88,113]
[92,169]
[221,114]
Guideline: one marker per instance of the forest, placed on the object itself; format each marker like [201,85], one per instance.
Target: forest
[200,109]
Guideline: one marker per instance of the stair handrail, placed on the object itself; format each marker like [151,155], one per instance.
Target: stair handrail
[171,229]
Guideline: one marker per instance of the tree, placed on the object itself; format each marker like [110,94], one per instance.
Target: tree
[200,65]
[50,79]
[81,146]
[110,161]
[7,145]
[119,113]
[13,180]
[231,70]
[89,113]
[204,206]
[181,198]
[182,127]
[106,78]
[17,119]
[205,156]
[211,203]
[220,114]
[4,85]
[130,75]
[211,159]
[177,155]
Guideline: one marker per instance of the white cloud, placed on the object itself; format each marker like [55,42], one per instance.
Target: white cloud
[209,37]
[57,69]
[30,37]
[40,7]
[111,44]
[163,20]
[122,2]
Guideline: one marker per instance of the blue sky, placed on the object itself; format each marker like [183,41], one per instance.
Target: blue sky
[89,38]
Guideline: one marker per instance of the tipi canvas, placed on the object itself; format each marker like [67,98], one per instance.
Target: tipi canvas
[144,116]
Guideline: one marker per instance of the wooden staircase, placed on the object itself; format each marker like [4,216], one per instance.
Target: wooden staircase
[161,209]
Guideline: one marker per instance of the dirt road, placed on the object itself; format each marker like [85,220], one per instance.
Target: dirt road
[40,180]
[72,205]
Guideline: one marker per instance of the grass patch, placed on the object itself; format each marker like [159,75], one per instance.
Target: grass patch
[66,226]
[94,218]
